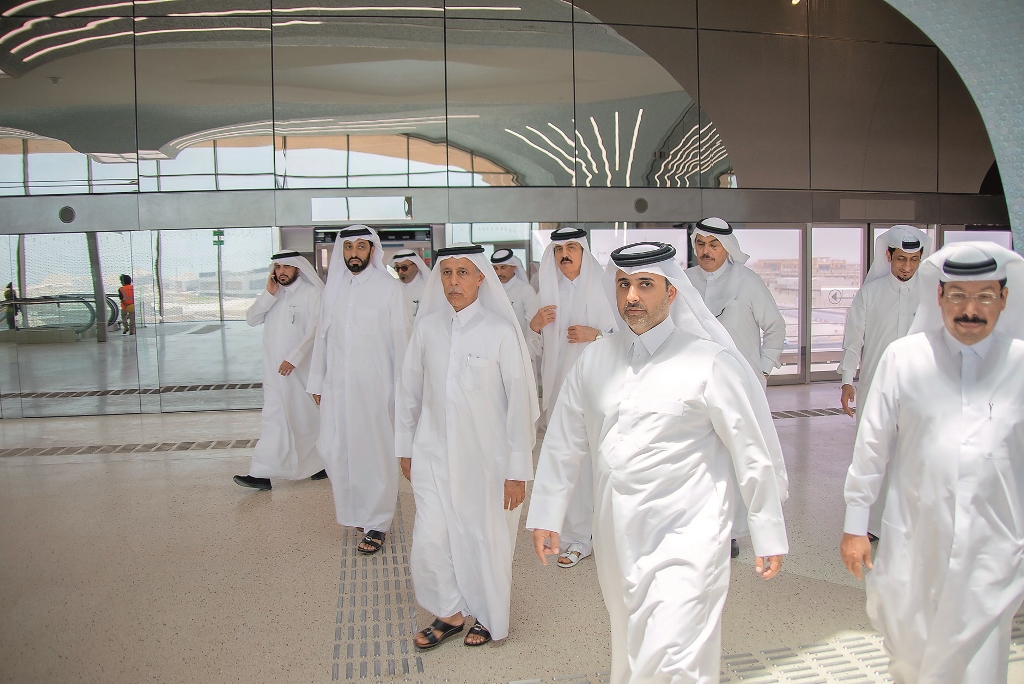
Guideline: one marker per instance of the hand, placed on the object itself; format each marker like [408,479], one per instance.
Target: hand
[774,566]
[545,543]
[582,333]
[272,284]
[849,394]
[406,466]
[316,398]
[856,552]
[515,493]
[285,368]
[544,315]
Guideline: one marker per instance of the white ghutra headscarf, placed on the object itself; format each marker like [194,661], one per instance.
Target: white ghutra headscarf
[506,257]
[306,270]
[907,238]
[408,255]
[714,227]
[338,272]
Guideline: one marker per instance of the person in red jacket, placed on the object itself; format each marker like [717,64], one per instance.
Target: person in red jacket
[127,295]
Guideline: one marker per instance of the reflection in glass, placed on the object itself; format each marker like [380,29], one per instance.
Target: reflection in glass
[510,100]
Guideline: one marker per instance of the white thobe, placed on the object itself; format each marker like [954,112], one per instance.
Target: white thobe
[290,420]
[356,355]
[579,520]
[525,301]
[881,312]
[412,294]
[461,419]
[674,440]
[742,303]
[946,422]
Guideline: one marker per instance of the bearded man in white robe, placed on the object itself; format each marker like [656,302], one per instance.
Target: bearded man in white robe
[467,409]
[881,313]
[680,432]
[944,419]
[521,295]
[288,310]
[360,340]
[574,312]
[737,296]
[412,272]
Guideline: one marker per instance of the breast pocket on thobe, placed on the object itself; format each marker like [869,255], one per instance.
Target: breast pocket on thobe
[478,374]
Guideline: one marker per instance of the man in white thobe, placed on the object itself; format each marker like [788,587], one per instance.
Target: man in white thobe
[413,272]
[288,310]
[360,339]
[467,408]
[944,418]
[574,312]
[737,296]
[881,312]
[679,431]
[512,274]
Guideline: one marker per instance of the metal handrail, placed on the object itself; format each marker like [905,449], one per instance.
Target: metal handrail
[58,300]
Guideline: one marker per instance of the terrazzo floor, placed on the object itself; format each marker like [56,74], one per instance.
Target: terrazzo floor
[146,563]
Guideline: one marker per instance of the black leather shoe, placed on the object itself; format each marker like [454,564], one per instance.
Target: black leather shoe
[734,548]
[322,475]
[254,482]
[872,538]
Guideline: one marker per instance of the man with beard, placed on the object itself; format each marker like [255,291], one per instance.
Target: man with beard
[466,412]
[512,274]
[360,340]
[413,272]
[944,419]
[288,310]
[680,432]
[574,312]
[881,313]
[737,296]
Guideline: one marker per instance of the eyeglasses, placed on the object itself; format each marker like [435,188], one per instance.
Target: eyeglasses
[402,268]
[982,298]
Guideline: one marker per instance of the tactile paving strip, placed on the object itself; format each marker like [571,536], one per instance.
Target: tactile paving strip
[166,389]
[149,448]
[376,618]
[807,413]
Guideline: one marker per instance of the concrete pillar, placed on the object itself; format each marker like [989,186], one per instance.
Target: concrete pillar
[97,287]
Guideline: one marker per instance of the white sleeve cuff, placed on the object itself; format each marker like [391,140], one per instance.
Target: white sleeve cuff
[848,376]
[856,520]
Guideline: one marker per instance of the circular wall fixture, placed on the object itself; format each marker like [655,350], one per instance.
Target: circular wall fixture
[66,214]
[640,205]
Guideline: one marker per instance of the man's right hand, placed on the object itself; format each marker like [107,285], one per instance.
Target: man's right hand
[848,396]
[272,284]
[544,315]
[545,543]
[316,398]
[856,552]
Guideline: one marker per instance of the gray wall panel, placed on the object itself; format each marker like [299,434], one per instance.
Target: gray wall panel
[618,204]
[757,206]
[468,205]
[174,210]
[93,212]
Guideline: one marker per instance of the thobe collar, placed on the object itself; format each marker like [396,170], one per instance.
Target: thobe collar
[955,346]
[718,272]
[508,285]
[362,276]
[467,314]
[653,338]
[898,285]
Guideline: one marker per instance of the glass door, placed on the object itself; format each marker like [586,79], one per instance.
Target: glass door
[838,260]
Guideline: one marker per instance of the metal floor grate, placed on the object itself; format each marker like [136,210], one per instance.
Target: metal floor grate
[807,413]
[166,389]
[148,448]
[376,610]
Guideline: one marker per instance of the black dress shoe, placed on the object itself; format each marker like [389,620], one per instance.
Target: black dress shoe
[322,475]
[872,538]
[734,548]
[254,482]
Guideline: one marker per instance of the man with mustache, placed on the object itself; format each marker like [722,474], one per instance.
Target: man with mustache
[512,274]
[574,312]
[680,432]
[412,272]
[360,339]
[944,420]
[737,296]
[882,312]
[465,430]
[288,310]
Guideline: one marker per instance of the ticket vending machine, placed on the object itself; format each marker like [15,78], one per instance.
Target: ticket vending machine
[420,238]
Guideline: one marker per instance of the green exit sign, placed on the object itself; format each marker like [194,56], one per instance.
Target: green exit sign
[218,233]
[218,242]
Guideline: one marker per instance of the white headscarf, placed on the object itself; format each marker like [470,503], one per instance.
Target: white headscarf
[306,270]
[409,255]
[714,227]
[971,261]
[691,314]
[589,288]
[907,238]
[338,272]
[491,296]
[505,256]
